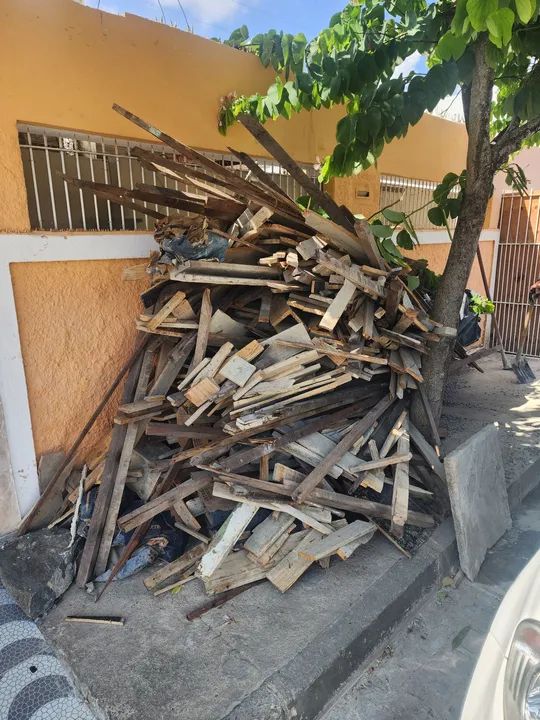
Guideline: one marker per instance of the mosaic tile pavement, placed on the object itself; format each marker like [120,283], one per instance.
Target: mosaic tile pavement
[33,684]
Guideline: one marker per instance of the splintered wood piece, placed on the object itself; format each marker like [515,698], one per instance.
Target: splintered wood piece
[189,277]
[130,439]
[400,493]
[236,570]
[176,359]
[101,509]
[338,306]
[204,329]
[293,565]
[212,368]
[180,565]
[226,538]
[427,452]
[267,532]
[321,198]
[382,462]
[315,477]
[237,370]
[166,310]
[339,538]
[394,434]
[303,513]
[326,498]
[141,406]
[203,391]
[163,502]
[250,351]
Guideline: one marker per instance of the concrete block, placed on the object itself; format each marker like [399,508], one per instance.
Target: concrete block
[37,568]
[478,496]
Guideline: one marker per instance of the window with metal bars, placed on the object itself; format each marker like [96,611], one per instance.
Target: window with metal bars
[47,154]
[409,195]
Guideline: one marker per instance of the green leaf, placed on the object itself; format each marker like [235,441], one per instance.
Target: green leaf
[451,46]
[525,10]
[437,216]
[373,121]
[500,24]
[346,129]
[275,92]
[478,11]
[382,231]
[413,281]
[404,240]
[393,216]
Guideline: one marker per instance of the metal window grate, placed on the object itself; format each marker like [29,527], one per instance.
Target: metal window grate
[410,195]
[518,266]
[54,205]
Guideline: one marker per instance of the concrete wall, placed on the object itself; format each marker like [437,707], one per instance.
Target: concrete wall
[63,66]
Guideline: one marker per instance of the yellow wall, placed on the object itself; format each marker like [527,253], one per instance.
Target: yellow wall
[77,327]
[437,253]
[65,64]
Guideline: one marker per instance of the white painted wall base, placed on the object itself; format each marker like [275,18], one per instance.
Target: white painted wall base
[39,247]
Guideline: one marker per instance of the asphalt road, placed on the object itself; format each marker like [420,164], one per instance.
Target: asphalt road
[423,669]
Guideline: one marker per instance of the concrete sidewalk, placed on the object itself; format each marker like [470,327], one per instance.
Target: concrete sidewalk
[423,670]
[267,656]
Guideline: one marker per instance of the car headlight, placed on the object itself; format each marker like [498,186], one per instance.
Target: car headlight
[522,675]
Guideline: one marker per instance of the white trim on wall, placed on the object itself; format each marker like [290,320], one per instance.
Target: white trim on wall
[440,237]
[39,247]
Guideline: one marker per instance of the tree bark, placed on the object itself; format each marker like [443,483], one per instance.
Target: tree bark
[480,173]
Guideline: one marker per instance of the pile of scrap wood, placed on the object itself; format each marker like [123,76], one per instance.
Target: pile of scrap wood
[270,387]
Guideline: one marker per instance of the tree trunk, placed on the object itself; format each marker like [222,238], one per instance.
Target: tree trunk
[480,173]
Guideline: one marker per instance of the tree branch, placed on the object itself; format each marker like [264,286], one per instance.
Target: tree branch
[511,138]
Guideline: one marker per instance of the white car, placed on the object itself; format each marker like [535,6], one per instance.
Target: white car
[506,681]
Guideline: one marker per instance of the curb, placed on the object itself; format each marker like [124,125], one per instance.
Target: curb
[303,686]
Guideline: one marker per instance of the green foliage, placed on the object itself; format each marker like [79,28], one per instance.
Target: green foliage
[355,62]
[481,305]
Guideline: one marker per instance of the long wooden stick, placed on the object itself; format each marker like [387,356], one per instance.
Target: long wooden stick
[506,364]
[51,487]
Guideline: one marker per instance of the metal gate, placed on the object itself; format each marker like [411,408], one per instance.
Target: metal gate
[518,266]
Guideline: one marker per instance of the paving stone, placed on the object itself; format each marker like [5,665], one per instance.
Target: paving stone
[478,496]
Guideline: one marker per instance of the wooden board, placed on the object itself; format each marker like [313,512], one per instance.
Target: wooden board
[226,538]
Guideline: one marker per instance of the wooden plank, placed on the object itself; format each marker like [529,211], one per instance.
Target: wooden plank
[203,391]
[339,538]
[228,268]
[226,538]
[205,316]
[427,452]
[131,436]
[400,493]
[338,306]
[303,513]
[189,277]
[382,462]
[237,370]
[268,532]
[175,567]
[177,358]
[326,498]
[236,570]
[293,565]
[166,310]
[315,477]
[320,197]
[245,457]
[99,516]
[163,502]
